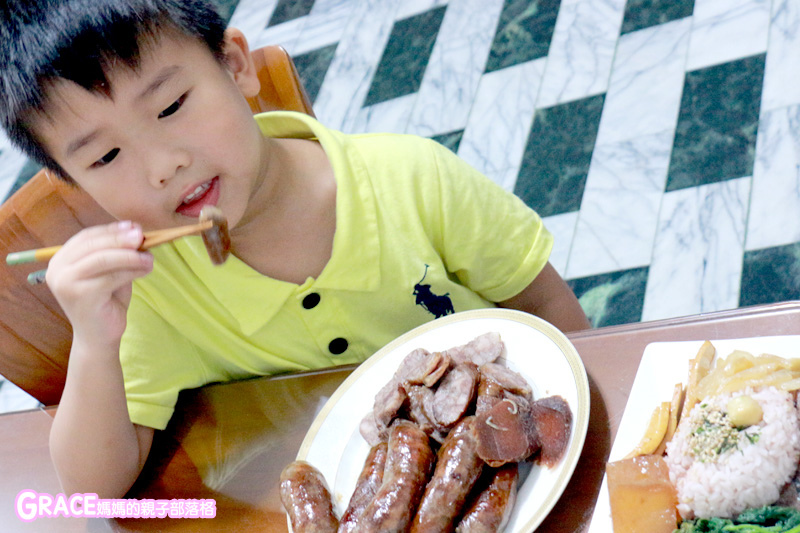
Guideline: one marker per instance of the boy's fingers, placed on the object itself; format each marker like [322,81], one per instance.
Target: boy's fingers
[98,265]
[109,261]
[116,235]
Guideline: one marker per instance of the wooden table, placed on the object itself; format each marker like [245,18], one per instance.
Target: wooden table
[229,442]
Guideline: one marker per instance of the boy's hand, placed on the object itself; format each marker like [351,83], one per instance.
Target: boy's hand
[92,275]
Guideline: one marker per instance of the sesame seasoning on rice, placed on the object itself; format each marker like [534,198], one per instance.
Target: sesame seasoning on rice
[720,470]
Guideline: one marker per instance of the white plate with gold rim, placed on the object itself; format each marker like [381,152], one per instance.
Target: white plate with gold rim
[663,365]
[534,348]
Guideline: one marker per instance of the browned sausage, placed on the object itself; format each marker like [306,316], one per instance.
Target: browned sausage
[369,481]
[458,468]
[490,510]
[505,433]
[409,462]
[553,420]
[495,382]
[306,498]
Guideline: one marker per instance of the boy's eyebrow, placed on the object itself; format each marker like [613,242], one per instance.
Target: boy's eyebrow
[77,144]
[163,76]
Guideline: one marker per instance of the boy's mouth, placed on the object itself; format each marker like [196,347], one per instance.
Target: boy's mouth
[204,194]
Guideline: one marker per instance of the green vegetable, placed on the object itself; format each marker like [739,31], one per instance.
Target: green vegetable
[767,519]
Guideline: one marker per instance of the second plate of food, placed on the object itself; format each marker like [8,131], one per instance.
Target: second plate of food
[533,348]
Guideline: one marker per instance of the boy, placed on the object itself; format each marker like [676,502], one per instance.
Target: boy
[340,243]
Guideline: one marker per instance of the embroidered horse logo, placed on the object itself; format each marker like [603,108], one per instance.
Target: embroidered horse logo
[435,304]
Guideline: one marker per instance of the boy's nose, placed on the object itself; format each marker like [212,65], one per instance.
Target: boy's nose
[165,163]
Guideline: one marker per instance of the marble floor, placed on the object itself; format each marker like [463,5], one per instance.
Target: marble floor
[659,139]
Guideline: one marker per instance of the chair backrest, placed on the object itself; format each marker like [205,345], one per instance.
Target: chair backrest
[35,335]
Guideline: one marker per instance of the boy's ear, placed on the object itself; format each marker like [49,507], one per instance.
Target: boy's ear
[240,62]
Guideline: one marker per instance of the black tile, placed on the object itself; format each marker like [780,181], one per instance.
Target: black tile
[557,156]
[451,140]
[287,10]
[523,33]
[771,275]
[226,8]
[28,171]
[614,298]
[715,139]
[312,67]
[405,57]
[640,14]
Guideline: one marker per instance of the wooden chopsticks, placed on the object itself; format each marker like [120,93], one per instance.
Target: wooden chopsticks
[151,239]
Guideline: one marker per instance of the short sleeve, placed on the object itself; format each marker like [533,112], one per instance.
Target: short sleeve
[157,363]
[488,237]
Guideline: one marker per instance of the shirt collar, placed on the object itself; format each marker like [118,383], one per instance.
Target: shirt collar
[355,259]
[252,298]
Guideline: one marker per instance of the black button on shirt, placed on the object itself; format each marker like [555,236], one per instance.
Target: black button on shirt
[338,346]
[311,300]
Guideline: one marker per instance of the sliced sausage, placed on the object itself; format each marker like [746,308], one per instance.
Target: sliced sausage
[455,394]
[307,500]
[505,433]
[419,397]
[552,418]
[482,349]
[388,402]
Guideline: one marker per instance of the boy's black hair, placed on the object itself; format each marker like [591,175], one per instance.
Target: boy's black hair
[42,41]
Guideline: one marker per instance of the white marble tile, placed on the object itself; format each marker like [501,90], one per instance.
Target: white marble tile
[563,229]
[325,25]
[725,30]
[389,116]
[581,51]
[506,178]
[616,228]
[409,8]
[285,34]
[783,56]
[252,16]
[357,56]
[775,204]
[644,92]
[455,67]
[501,117]
[697,260]
[13,399]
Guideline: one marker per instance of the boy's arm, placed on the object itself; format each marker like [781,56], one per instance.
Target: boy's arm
[93,444]
[549,297]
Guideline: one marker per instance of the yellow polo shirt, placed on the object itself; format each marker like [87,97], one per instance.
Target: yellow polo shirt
[419,234]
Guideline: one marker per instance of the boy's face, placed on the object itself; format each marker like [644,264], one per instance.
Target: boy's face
[175,135]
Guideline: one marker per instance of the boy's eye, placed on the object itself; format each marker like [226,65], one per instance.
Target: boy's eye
[173,107]
[106,159]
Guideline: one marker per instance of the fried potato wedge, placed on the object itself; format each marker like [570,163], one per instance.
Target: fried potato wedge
[674,412]
[656,430]
[699,368]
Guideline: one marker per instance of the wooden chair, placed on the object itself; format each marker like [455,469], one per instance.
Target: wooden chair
[35,336]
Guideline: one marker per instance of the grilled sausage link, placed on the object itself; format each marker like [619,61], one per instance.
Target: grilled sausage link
[490,510]
[409,462]
[458,468]
[306,498]
[369,481]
